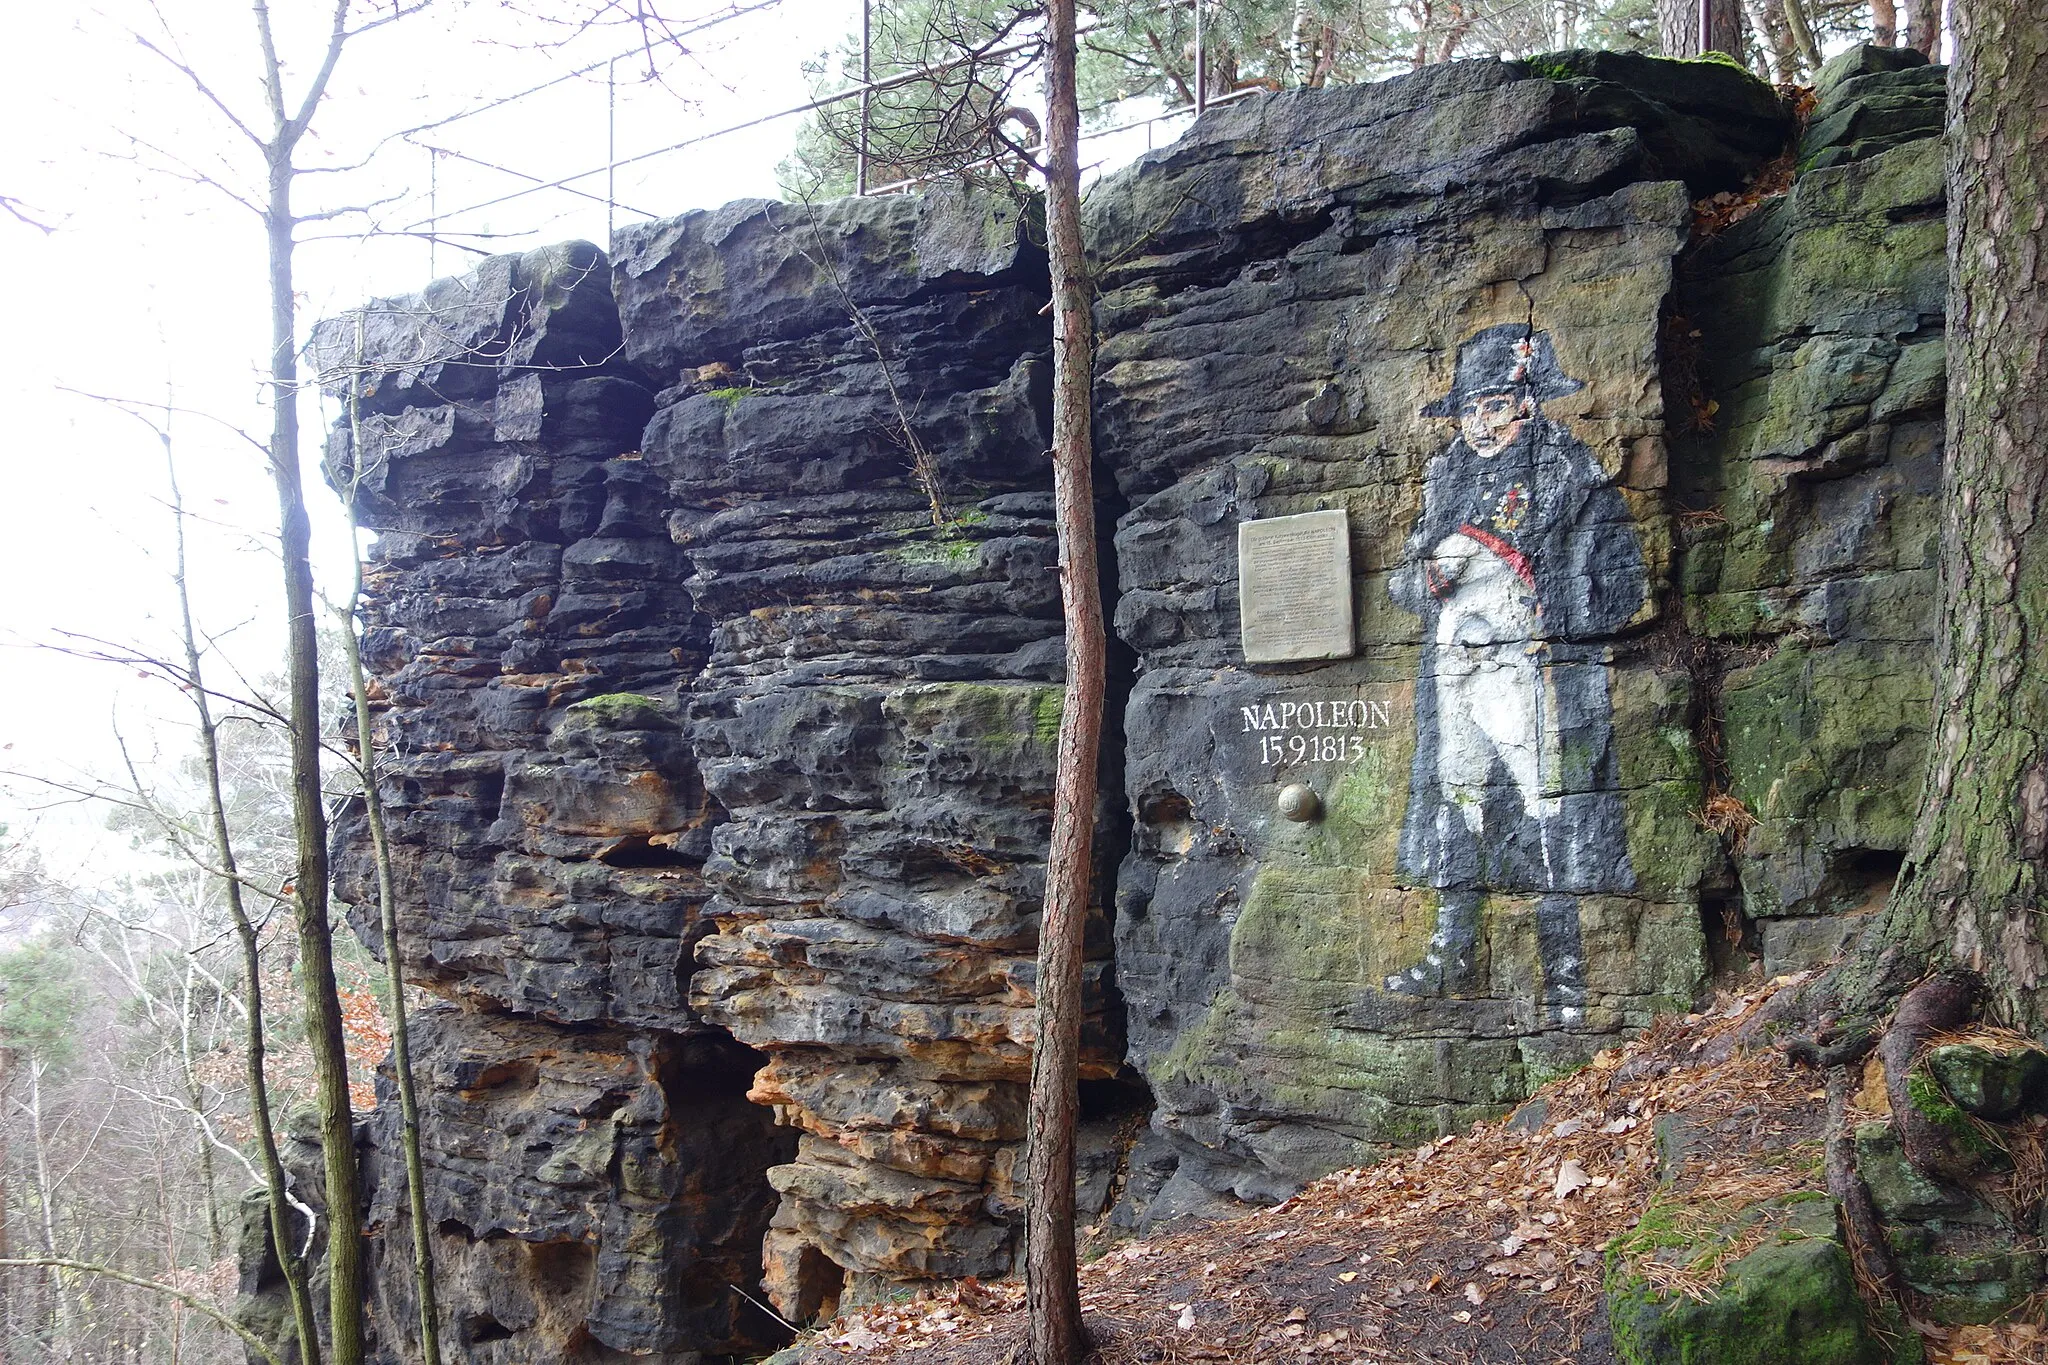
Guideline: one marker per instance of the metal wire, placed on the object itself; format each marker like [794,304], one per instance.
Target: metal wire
[823,102]
[863,92]
[1178,111]
[731,13]
[606,198]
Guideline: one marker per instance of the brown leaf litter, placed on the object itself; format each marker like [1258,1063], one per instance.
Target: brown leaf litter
[1486,1248]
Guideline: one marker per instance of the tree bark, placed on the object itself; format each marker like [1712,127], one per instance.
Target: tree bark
[1678,27]
[309,812]
[1679,23]
[1922,28]
[1971,893]
[1884,22]
[1724,25]
[1053,1290]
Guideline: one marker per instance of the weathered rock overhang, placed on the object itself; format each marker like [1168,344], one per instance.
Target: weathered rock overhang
[716,628]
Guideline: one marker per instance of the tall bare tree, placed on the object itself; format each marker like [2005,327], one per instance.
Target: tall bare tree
[277,135]
[1053,1288]
[286,128]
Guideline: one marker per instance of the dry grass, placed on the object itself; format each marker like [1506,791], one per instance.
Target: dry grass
[1727,817]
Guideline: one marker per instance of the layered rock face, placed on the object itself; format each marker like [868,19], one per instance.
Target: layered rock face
[717,675]
[595,1174]
[1312,295]
[715,627]
[852,437]
[1811,521]
[1528,835]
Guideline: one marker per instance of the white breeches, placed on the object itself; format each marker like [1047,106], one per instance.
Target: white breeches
[1492,697]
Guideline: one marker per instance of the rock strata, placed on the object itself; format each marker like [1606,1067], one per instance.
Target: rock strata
[714,617]
[1809,514]
[852,437]
[596,1175]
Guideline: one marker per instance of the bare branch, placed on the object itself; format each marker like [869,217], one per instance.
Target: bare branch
[17,210]
[337,38]
[198,83]
[345,210]
[140,408]
[192,1301]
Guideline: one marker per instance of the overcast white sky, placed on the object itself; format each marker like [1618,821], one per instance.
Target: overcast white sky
[151,285]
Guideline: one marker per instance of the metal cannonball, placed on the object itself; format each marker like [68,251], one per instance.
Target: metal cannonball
[1298,803]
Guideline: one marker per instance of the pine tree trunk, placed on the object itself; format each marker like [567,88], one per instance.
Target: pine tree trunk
[1971,894]
[1725,22]
[1050,1271]
[1678,27]
[1922,28]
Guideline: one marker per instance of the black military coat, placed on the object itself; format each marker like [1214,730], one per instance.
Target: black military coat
[1551,514]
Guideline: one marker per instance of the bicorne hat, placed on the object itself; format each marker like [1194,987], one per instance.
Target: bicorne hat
[1509,358]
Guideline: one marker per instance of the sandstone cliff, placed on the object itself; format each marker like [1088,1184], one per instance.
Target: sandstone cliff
[715,625]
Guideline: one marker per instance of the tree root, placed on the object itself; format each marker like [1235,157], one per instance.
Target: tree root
[1832,1048]
[1935,1005]
[1862,1229]
[1940,1003]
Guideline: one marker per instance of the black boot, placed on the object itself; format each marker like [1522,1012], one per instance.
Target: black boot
[1563,956]
[1446,967]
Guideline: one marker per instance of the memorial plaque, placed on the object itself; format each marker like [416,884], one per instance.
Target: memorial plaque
[1294,587]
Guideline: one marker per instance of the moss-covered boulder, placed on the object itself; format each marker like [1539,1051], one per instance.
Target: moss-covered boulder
[1990,1083]
[1901,1193]
[1967,1274]
[1792,1299]
[1870,99]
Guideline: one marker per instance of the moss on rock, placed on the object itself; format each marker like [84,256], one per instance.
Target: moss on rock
[1989,1083]
[1792,1299]
[622,711]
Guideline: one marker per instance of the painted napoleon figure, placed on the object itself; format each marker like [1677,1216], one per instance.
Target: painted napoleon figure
[1522,565]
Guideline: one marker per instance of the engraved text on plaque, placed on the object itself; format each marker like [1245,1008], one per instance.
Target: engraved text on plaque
[1294,587]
